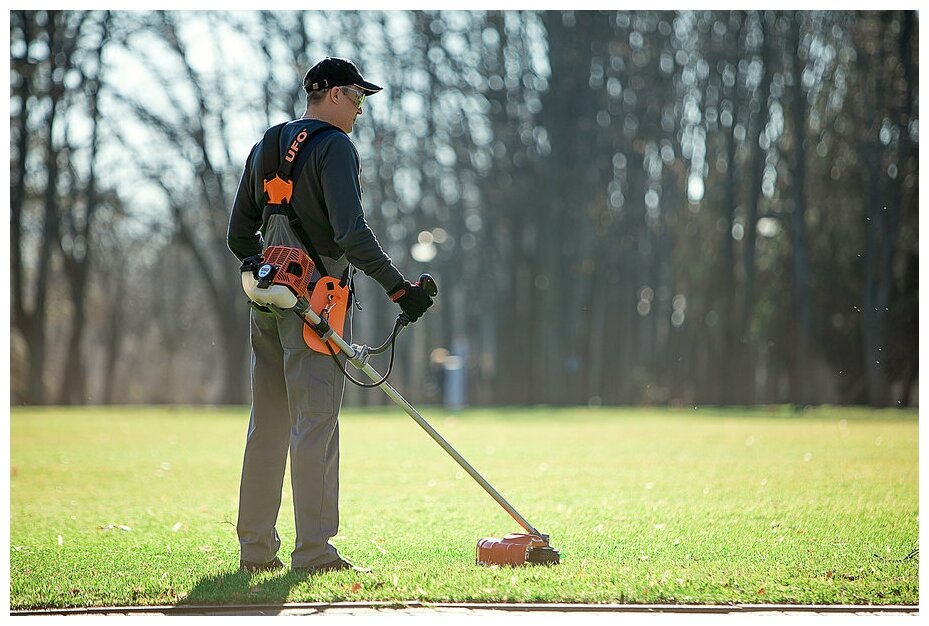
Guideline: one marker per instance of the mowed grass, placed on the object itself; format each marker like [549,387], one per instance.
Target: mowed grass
[129,506]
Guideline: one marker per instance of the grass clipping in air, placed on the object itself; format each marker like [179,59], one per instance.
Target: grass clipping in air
[138,506]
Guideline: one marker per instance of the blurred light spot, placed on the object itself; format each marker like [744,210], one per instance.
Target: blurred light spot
[389,209]
[768,226]
[423,252]
[885,135]
[445,155]
[651,199]
[695,188]
[614,87]
[438,356]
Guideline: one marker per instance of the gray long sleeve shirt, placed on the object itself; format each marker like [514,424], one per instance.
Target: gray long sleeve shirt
[326,198]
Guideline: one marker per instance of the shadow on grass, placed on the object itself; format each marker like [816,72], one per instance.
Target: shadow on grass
[230,593]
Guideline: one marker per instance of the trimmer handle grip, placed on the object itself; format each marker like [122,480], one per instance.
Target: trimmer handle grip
[428,283]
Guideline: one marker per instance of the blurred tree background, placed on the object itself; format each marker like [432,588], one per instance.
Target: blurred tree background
[695,207]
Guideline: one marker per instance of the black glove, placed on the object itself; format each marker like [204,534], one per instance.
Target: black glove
[412,298]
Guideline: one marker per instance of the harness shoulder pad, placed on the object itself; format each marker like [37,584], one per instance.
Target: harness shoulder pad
[295,156]
[271,150]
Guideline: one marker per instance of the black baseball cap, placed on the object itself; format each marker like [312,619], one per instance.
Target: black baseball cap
[336,72]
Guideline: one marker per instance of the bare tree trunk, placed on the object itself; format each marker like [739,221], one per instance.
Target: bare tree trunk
[732,351]
[113,338]
[879,242]
[729,366]
[35,327]
[78,260]
[802,295]
[756,130]
[905,302]
[22,88]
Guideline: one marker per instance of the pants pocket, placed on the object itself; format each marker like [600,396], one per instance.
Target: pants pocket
[291,327]
[311,383]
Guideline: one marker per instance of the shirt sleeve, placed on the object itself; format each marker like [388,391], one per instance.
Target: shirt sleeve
[340,174]
[243,237]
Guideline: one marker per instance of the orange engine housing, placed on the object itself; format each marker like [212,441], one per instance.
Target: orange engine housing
[511,550]
[295,268]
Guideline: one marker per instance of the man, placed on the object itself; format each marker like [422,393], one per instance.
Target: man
[296,392]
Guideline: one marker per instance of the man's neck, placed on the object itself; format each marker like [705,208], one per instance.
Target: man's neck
[321,114]
[314,114]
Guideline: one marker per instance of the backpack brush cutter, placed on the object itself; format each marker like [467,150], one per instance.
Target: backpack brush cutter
[279,279]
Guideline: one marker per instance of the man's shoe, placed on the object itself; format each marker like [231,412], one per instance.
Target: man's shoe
[332,566]
[270,566]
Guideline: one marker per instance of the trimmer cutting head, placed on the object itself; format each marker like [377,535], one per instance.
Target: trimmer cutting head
[517,549]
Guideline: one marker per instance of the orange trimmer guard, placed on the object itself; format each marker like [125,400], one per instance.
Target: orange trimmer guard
[516,549]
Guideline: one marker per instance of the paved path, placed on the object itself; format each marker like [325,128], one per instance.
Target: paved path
[576,613]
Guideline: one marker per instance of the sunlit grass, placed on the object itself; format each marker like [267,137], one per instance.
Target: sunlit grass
[136,506]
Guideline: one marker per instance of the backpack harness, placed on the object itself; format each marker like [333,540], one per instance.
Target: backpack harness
[279,175]
[331,297]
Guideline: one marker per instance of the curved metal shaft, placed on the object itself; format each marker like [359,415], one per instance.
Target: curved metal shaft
[400,401]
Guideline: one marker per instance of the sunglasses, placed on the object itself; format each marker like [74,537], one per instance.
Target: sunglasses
[359,98]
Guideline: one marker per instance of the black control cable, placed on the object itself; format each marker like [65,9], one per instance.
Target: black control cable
[391,340]
[428,283]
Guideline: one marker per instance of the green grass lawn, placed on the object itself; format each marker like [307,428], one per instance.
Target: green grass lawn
[128,506]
